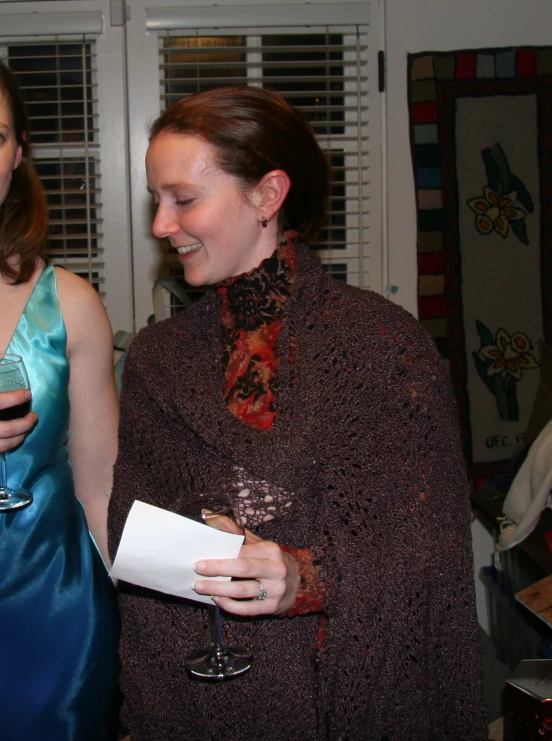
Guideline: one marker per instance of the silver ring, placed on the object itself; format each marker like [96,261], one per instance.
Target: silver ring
[262,591]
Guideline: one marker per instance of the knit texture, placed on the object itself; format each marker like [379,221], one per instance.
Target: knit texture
[366,448]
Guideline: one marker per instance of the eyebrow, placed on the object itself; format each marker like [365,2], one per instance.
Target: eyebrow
[170,186]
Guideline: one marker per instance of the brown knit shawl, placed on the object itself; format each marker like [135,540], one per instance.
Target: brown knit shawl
[366,439]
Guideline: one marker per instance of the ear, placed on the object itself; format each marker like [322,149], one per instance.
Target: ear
[18,157]
[271,192]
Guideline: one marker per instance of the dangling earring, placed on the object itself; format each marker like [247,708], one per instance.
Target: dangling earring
[264,222]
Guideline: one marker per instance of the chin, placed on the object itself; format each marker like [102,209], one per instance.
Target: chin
[195,281]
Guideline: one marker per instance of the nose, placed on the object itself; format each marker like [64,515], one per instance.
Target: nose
[163,223]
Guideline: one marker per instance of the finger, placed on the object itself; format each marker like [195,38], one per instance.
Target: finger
[10,443]
[14,398]
[247,607]
[261,549]
[243,568]
[232,596]
[251,538]
[223,567]
[236,590]
[14,428]
[224,523]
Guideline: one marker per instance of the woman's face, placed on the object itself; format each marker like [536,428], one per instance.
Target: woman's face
[203,212]
[10,151]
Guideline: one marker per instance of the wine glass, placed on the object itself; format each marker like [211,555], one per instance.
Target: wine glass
[13,376]
[216,661]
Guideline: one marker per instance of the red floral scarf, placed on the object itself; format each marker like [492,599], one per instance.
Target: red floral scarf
[252,309]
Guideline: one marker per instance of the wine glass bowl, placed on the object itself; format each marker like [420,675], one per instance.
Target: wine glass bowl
[216,661]
[13,376]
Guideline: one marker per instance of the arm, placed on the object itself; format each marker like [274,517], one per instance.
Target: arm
[13,432]
[93,399]
[398,560]
[141,471]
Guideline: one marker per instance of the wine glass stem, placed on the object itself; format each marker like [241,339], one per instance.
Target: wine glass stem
[3,471]
[216,630]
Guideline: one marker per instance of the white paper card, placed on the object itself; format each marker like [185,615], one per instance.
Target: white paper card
[158,548]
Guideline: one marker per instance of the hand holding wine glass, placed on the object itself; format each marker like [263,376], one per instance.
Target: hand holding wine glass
[267,576]
[13,377]
[14,429]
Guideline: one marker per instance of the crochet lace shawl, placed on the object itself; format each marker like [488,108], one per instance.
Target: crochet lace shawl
[362,466]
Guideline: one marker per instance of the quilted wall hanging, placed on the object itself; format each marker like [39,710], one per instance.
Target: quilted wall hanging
[481,136]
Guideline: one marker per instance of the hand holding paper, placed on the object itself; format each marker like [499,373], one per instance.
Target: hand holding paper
[158,549]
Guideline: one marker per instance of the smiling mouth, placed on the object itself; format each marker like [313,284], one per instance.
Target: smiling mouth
[189,248]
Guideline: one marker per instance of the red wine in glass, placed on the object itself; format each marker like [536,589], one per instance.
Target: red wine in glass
[16,412]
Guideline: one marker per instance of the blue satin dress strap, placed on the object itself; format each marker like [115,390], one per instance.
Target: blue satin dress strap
[58,617]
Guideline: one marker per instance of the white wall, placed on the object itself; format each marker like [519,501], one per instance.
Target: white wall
[441,25]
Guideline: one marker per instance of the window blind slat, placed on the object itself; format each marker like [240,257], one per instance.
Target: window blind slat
[282,64]
[185,46]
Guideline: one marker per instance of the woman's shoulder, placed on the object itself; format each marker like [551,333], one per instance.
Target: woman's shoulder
[370,337]
[369,316]
[83,312]
[383,338]
[73,290]
[181,328]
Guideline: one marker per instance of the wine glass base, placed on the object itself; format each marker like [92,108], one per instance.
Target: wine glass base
[219,662]
[13,499]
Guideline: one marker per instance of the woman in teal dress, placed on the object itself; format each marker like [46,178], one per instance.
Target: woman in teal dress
[58,618]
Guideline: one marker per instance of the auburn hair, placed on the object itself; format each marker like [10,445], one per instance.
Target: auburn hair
[24,212]
[254,131]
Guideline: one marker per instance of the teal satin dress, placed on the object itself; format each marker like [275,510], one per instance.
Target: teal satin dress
[58,615]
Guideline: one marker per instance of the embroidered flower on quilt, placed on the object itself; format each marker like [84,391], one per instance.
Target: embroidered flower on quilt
[509,354]
[506,202]
[500,362]
[495,212]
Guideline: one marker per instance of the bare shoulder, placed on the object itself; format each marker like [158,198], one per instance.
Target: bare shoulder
[83,313]
[74,289]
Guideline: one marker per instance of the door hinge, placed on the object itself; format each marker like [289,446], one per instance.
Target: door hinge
[381,71]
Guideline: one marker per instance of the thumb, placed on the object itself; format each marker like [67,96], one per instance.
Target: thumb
[251,538]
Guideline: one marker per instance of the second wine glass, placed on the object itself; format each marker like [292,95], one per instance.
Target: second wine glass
[216,661]
[13,376]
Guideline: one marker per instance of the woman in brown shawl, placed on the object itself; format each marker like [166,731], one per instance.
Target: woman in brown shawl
[325,414]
